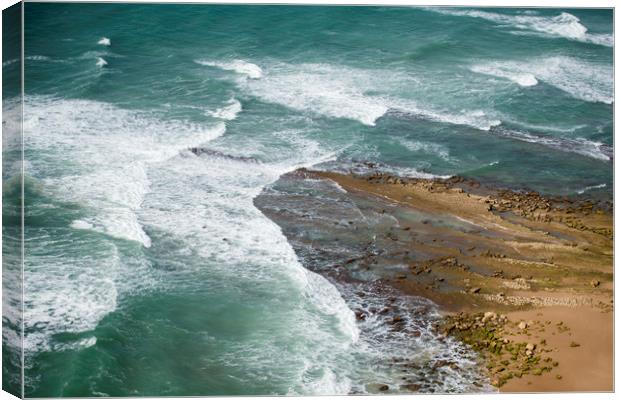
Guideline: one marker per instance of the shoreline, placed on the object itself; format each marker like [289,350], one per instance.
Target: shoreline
[519,257]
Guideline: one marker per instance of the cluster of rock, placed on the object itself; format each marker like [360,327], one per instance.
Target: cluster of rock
[524,204]
[530,204]
[538,301]
[504,358]
[576,223]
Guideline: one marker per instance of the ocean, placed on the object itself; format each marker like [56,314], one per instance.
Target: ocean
[149,269]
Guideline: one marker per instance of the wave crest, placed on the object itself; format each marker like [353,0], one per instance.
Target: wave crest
[350,93]
[581,80]
[564,25]
[229,111]
[582,146]
[104,41]
[242,67]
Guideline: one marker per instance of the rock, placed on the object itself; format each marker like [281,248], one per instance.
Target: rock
[574,344]
[530,346]
[443,363]
[474,290]
[594,283]
[412,387]
[558,376]
[522,325]
[377,387]
[489,316]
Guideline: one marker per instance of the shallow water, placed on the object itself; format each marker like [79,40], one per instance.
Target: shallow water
[149,270]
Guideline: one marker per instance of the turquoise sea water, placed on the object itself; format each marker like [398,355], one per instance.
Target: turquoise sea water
[149,271]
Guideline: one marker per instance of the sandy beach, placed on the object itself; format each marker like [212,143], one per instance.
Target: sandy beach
[523,279]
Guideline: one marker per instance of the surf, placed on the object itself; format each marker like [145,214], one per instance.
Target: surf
[579,79]
[242,67]
[564,25]
[127,167]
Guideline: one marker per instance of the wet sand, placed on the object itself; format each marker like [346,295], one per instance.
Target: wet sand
[520,257]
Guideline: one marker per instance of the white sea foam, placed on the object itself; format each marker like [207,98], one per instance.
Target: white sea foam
[93,54]
[101,62]
[337,186]
[30,58]
[37,58]
[580,146]
[9,62]
[128,171]
[11,128]
[522,79]
[104,41]
[582,80]
[81,224]
[564,25]
[344,92]
[383,352]
[12,285]
[587,188]
[320,91]
[475,118]
[563,129]
[113,178]
[413,173]
[426,147]
[603,39]
[364,169]
[216,218]
[229,111]
[252,71]
[66,294]
[107,153]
